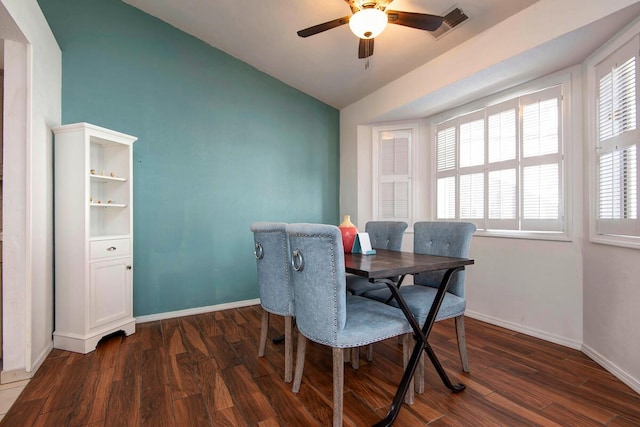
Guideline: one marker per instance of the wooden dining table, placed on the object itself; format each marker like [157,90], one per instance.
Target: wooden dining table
[385,264]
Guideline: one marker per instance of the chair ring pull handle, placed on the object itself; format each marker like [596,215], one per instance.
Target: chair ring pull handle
[297,262]
[258,252]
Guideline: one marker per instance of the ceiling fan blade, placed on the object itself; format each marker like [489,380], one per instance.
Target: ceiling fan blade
[421,21]
[365,49]
[323,27]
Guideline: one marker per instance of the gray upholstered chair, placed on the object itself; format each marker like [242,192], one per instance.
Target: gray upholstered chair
[383,235]
[274,282]
[324,312]
[445,239]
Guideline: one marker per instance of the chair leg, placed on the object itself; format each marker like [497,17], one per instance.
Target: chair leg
[300,355]
[288,348]
[370,352]
[419,375]
[355,357]
[338,384]
[462,343]
[406,355]
[264,327]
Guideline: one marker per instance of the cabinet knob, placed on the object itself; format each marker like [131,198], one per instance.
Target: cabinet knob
[111,248]
[129,267]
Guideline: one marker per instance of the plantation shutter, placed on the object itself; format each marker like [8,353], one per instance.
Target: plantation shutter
[617,151]
[446,169]
[471,191]
[394,175]
[541,179]
[502,165]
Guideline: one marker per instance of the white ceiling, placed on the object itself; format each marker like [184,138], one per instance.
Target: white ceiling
[326,65]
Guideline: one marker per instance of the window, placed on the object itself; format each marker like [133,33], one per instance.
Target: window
[617,139]
[501,167]
[392,167]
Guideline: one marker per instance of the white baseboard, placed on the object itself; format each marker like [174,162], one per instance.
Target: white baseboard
[197,310]
[594,355]
[16,375]
[42,357]
[612,368]
[557,339]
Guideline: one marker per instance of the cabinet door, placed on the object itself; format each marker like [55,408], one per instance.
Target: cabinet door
[110,291]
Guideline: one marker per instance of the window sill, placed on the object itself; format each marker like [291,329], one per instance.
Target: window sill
[526,235]
[621,241]
[503,234]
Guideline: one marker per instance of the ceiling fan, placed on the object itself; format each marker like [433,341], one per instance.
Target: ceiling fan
[370,18]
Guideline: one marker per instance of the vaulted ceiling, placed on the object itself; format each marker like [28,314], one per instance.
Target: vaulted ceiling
[325,65]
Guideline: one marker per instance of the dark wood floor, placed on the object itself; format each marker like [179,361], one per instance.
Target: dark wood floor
[204,371]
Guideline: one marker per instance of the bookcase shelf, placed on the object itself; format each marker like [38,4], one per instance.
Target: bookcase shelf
[94,235]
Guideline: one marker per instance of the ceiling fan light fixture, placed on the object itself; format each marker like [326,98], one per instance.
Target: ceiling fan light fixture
[368,23]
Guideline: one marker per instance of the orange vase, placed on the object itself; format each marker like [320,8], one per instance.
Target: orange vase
[349,232]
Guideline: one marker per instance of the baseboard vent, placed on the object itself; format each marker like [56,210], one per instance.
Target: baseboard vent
[451,20]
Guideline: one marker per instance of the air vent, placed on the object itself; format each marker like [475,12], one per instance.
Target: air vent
[451,20]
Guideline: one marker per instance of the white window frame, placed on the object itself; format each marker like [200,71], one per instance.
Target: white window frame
[615,46]
[409,130]
[561,79]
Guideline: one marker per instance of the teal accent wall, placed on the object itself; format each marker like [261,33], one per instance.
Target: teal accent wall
[221,145]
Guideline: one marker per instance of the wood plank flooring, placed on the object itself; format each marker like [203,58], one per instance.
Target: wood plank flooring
[204,371]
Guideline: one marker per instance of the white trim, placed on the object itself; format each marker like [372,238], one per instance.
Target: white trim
[556,339]
[612,368]
[197,310]
[28,260]
[15,217]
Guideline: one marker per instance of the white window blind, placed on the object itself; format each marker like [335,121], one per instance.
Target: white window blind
[501,167]
[393,152]
[617,143]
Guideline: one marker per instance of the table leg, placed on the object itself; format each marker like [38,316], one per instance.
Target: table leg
[403,387]
[421,336]
[457,388]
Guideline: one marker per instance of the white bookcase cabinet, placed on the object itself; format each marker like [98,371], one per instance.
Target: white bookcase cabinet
[93,235]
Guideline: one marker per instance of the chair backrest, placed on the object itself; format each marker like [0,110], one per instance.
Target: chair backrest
[317,258]
[386,234]
[446,239]
[274,267]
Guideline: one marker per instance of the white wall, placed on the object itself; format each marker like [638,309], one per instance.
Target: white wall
[611,307]
[33,82]
[532,286]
